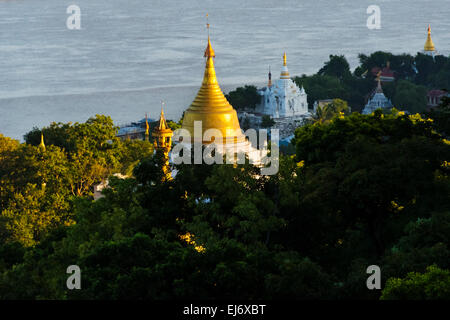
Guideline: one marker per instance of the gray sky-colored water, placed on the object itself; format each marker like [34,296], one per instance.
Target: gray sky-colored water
[130,54]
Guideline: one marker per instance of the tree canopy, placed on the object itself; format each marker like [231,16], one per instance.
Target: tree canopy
[360,190]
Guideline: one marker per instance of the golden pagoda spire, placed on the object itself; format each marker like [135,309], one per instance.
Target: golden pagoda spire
[429,45]
[210,106]
[162,135]
[209,52]
[147,128]
[284,69]
[42,144]
[162,120]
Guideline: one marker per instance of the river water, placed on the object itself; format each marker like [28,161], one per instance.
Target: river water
[129,55]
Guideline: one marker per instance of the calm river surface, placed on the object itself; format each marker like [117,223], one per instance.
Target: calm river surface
[131,54]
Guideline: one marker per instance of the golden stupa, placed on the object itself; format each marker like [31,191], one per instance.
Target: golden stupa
[212,108]
[429,45]
[42,144]
[162,136]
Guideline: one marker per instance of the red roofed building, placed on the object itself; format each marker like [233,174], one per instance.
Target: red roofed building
[385,74]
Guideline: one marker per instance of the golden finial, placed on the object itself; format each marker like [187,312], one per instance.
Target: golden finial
[162,127]
[209,52]
[284,70]
[42,144]
[162,119]
[147,127]
[162,111]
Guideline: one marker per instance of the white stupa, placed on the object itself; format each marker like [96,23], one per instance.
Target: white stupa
[378,101]
[283,99]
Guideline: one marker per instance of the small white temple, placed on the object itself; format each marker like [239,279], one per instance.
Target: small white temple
[283,98]
[378,101]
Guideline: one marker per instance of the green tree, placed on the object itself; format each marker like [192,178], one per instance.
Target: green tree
[425,241]
[321,87]
[267,121]
[31,214]
[337,67]
[434,284]
[7,145]
[377,59]
[410,97]
[441,116]
[244,97]
[35,197]
[361,161]
[336,108]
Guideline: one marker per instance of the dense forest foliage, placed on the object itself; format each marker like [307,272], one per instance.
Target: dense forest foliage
[360,190]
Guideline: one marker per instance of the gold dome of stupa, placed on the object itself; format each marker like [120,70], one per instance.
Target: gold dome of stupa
[212,108]
[429,45]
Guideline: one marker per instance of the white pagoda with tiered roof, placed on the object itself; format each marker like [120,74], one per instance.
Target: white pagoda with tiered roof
[283,98]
